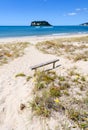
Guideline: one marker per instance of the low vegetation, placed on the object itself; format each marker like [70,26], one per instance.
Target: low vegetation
[11,51]
[57,94]
[81,56]
[72,48]
[47,99]
[20,75]
[23,75]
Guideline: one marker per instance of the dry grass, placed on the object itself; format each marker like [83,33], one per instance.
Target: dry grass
[9,52]
[81,56]
[47,99]
[58,94]
[73,48]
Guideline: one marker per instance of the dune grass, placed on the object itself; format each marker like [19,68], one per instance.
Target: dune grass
[53,93]
[72,48]
[8,52]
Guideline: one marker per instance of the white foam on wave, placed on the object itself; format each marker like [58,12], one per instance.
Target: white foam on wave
[60,34]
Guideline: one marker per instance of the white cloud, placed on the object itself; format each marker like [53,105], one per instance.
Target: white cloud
[85,9]
[78,9]
[72,14]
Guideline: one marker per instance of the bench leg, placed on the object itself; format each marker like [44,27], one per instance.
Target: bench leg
[53,65]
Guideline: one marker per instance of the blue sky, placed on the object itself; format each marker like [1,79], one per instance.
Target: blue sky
[56,12]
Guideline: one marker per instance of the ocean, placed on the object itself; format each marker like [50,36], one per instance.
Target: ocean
[18,31]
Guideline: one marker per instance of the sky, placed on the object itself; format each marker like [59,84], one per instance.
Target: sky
[56,12]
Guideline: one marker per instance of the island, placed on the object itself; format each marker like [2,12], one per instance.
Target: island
[84,24]
[40,23]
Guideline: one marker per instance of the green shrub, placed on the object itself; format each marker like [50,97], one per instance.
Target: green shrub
[84,125]
[55,91]
[41,106]
[43,79]
[39,86]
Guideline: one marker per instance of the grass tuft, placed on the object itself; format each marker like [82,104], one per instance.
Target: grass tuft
[55,91]
[20,75]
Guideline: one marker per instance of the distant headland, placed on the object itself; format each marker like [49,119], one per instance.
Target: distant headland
[84,24]
[40,23]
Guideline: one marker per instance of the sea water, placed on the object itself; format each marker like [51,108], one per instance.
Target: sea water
[18,31]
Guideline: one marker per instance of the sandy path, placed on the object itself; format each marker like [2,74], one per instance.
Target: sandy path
[14,91]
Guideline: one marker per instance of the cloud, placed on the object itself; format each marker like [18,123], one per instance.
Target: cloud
[72,14]
[78,9]
[85,8]
[81,9]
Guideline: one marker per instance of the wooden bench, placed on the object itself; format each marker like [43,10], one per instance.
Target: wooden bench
[44,64]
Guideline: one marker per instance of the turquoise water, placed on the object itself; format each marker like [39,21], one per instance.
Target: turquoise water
[16,31]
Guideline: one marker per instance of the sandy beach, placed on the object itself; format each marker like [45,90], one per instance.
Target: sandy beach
[17,92]
[36,39]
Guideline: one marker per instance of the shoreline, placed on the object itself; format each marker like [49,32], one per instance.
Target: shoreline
[36,39]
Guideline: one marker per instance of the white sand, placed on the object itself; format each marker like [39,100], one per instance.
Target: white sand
[14,91]
[36,39]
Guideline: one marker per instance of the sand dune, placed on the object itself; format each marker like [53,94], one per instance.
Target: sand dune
[16,91]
